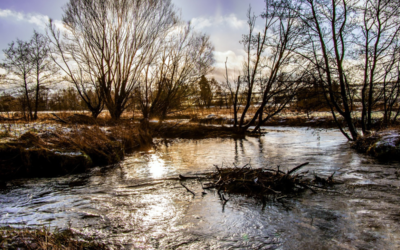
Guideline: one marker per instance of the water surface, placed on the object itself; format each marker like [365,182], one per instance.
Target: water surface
[132,205]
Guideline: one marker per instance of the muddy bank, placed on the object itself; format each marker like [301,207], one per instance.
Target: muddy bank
[68,150]
[193,131]
[384,145]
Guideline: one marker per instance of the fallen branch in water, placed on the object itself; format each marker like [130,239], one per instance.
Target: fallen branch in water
[297,168]
[190,191]
[261,181]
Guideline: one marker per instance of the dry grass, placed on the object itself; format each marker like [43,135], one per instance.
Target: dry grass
[68,149]
[12,238]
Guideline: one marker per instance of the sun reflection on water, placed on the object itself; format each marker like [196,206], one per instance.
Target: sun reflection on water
[156,166]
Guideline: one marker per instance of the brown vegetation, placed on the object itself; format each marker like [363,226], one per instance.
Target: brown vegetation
[12,238]
[68,150]
[384,145]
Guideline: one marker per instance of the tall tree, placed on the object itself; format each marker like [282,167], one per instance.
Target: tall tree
[272,67]
[19,65]
[330,26]
[168,80]
[354,50]
[29,66]
[44,70]
[378,48]
[110,43]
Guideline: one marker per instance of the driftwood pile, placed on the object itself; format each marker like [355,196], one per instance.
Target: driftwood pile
[261,182]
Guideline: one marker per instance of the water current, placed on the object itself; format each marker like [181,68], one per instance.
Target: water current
[131,205]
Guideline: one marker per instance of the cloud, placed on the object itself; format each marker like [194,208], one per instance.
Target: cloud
[231,20]
[36,19]
[235,60]
[234,64]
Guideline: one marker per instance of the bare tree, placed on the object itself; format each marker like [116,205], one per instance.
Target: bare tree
[272,68]
[77,70]
[110,42]
[354,51]
[44,71]
[330,26]
[233,88]
[19,66]
[168,80]
[29,66]
[379,57]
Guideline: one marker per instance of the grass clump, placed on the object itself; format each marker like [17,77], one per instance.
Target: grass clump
[12,238]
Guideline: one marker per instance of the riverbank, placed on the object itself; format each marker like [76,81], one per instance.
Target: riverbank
[384,145]
[67,149]
[193,131]
[322,120]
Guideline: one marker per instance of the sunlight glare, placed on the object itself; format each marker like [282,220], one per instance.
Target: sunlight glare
[156,166]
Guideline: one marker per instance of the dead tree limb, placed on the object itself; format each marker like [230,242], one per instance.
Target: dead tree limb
[190,191]
[59,119]
[297,168]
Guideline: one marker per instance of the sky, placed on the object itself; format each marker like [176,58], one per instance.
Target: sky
[224,20]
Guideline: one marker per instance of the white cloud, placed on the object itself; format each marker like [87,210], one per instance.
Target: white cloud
[201,23]
[225,32]
[36,19]
[234,64]
[234,60]
[230,20]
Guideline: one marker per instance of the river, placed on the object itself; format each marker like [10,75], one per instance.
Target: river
[132,206]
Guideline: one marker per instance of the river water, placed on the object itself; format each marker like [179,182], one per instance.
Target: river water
[132,206]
